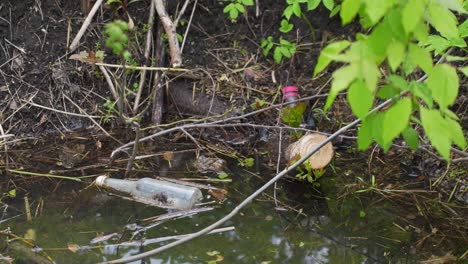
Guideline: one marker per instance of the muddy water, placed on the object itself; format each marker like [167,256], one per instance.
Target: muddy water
[305,227]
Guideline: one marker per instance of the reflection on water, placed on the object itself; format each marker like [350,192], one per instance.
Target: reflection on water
[261,234]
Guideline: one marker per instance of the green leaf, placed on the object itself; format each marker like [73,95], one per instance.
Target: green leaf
[341,80]
[436,43]
[332,49]
[371,74]
[277,56]
[329,4]
[247,2]
[365,134]
[395,54]
[411,138]
[394,20]
[377,129]
[436,130]
[349,9]
[379,40]
[248,162]
[464,70]
[421,91]
[285,51]
[396,120]
[398,82]
[233,13]
[412,14]
[240,7]
[312,4]
[421,31]
[360,98]
[223,175]
[228,8]
[285,26]
[456,132]
[443,20]
[420,57]
[288,11]
[387,91]
[362,214]
[12,193]
[335,10]
[453,5]
[376,9]
[443,83]
[297,9]
[463,29]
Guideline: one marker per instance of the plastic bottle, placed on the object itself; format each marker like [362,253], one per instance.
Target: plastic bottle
[290,94]
[162,193]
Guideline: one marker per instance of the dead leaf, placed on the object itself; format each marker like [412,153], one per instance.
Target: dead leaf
[219,195]
[3,88]
[89,57]
[13,105]
[43,119]
[73,247]
[130,23]
[168,155]
[82,56]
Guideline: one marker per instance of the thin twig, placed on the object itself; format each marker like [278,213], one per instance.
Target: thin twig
[188,26]
[130,67]
[85,25]
[149,40]
[109,82]
[181,13]
[135,148]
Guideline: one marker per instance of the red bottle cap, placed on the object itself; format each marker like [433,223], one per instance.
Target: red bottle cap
[289,91]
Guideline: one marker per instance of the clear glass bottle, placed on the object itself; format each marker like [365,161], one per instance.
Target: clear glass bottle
[162,193]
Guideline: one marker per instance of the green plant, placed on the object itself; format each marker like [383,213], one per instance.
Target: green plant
[247,162]
[282,49]
[109,105]
[399,41]
[294,6]
[117,38]
[237,7]
[310,175]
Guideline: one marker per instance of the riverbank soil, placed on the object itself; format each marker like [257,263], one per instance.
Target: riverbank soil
[59,119]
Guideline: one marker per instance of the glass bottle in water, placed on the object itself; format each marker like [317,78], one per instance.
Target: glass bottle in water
[161,193]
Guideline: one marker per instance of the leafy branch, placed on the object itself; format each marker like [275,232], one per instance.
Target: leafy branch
[400,37]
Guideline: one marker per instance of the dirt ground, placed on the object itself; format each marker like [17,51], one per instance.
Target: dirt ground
[43,92]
